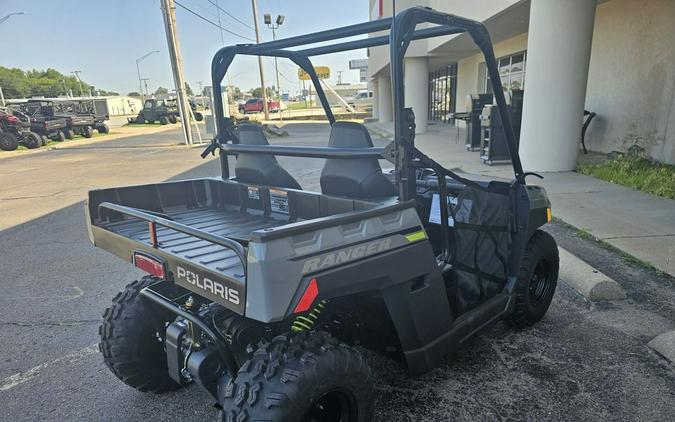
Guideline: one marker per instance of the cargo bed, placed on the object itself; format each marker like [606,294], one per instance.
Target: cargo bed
[232,224]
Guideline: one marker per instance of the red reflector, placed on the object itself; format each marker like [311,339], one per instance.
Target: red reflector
[149,265]
[308,297]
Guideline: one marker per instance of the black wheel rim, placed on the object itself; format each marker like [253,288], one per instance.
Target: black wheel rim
[333,406]
[540,283]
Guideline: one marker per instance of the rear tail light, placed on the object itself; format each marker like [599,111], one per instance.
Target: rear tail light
[150,264]
[308,297]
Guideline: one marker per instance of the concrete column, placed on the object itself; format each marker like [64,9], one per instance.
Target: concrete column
[558,54]
[374,89]
[384,107]
[416,80]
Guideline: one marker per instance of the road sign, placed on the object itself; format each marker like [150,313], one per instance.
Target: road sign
[358,64]
[323,72]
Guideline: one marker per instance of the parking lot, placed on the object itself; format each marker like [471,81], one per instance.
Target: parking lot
[584,361]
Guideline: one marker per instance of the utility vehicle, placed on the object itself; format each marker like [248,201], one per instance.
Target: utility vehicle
[162,111]
[46,127]
[13,133]
[76,124]
[95,109]
[255,105]
[259,291]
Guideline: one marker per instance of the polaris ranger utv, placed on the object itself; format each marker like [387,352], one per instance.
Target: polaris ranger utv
[258,291]
[162,111]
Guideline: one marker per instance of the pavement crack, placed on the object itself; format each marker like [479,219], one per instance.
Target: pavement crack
[14,198]
[64,323]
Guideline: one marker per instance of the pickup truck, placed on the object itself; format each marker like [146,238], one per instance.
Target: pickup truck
[255,105]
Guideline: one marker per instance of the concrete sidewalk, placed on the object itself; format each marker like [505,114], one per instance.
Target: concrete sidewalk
[638,223]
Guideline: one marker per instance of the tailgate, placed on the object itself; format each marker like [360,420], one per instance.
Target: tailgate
[207,264]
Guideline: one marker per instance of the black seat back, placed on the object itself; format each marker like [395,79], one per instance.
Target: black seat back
[260,169]
[360,178]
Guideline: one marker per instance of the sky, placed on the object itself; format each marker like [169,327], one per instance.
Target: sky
[103,39]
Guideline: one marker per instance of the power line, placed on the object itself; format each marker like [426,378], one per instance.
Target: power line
[231,15]
[212,23]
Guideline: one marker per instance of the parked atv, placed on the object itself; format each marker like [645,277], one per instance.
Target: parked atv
[95,109]
[75,124]
[162,111]
[259,291]
[13,133]
[46,127]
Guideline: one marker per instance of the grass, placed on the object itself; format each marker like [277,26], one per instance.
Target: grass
[300,105]
[143,124]
[635,172]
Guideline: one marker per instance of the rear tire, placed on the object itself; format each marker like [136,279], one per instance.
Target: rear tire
[173,119]
[68,133]
[537,280]
[163,120]
[103,129]
[131,345]
[199,116]
[60,136]
[8,142]
[300,377]
[32,140]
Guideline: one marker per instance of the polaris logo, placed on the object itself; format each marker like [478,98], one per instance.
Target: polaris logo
[345,255]
[214,287]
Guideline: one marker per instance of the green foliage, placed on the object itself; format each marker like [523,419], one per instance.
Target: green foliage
[257,93]
[161,90]
[634,171]
[17,83]
[188,90]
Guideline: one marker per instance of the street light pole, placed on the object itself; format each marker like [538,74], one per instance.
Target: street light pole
[138,69]
[79,82]
[273,27]
[260,64]
[10,15]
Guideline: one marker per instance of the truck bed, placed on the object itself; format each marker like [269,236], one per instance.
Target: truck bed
[234,224]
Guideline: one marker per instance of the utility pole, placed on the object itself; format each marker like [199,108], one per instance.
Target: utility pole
[79,82]
[260,63]
[169,13]
[145,82]
[274,27]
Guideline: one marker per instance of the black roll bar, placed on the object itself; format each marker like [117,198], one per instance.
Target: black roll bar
[307,152]
[402,30]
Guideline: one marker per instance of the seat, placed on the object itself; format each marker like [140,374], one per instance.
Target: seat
[360,178]
[260,169]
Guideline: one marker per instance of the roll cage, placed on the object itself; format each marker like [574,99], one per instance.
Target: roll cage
[401,151]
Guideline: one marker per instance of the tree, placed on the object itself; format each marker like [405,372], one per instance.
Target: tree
[134,94]
[161,91]
[257,92]
[188,90]
[17,83]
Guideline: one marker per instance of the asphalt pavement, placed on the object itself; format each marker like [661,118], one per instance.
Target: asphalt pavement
[584,361]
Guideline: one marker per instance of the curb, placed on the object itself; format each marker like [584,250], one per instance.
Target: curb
[588,281]
[664,345]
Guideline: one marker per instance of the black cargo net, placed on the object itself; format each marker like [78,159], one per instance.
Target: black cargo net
[481,246]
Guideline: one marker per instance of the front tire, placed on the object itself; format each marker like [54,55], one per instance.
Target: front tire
[300,377]
[131,345]
[32,140]
[8,142]
[68,133]
[537,280]
[173,119]
[163,120]
[103,129]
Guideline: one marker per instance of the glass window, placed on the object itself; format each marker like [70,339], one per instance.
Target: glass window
[511,72]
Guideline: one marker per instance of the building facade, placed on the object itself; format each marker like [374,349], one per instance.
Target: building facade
[612,57]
